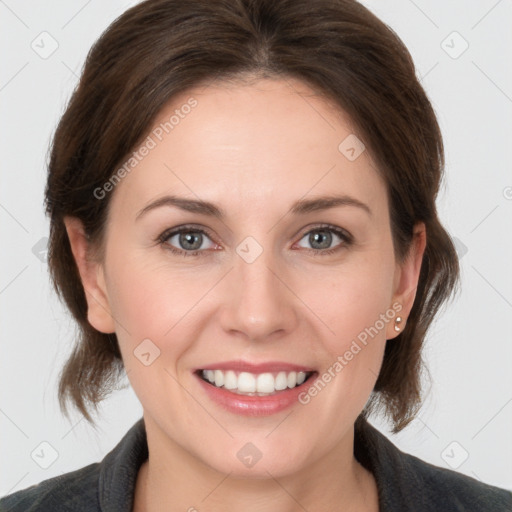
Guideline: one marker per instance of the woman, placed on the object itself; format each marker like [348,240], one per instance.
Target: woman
[242,205]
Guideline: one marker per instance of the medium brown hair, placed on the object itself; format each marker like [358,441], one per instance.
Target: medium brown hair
[160,48]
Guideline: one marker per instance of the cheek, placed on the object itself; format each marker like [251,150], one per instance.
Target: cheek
[353,302]
[149,291]
[356,310]
[151,301]
[155,308]
[351,351]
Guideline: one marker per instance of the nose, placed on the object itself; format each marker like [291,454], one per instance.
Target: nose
[260,302]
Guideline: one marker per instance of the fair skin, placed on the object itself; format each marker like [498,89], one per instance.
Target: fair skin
[253,150]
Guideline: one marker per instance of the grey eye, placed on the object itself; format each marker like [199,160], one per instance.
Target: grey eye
[189,240]
[320,239]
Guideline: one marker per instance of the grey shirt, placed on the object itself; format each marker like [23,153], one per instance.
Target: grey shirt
[404,482]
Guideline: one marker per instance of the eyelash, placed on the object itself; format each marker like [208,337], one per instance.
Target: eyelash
[162,240]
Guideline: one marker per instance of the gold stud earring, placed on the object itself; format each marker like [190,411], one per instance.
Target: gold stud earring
[397,321]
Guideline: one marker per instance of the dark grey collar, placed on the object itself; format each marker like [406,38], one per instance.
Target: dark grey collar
[404,482]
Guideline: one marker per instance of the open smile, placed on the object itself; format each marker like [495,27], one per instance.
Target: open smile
[254,390]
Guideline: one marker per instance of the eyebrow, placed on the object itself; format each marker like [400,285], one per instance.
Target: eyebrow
[300,207]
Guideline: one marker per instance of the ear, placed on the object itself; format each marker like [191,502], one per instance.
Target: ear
[92,276]
[407,275]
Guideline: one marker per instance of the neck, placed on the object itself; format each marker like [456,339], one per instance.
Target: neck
[173,479]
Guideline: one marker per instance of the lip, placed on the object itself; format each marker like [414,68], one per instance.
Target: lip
[245,366]
[254,406]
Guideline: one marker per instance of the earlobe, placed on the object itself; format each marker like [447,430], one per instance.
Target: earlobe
[406,281]
[92,276]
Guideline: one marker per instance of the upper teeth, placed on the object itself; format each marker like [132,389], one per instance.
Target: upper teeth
[249,382]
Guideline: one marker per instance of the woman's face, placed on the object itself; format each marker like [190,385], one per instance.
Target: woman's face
[268,275]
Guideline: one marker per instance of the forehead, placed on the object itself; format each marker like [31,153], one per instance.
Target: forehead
[243,142]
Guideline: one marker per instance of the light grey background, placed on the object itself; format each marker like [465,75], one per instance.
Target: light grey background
[468,411]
